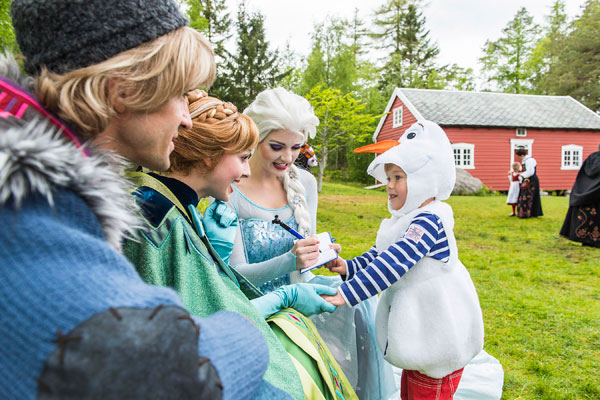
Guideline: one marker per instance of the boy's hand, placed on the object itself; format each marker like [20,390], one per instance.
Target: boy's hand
[336,247]
[338,266]
[336,300]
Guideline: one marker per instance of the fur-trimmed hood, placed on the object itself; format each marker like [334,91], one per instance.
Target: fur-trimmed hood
[36,159]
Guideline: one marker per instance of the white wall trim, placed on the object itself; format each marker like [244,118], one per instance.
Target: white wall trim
[516,143]
[574,165]
[461,147]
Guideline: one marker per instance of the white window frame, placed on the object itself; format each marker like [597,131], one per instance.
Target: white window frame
[569,150]
[462,148]
[515,144]
[524,134]
[397,117]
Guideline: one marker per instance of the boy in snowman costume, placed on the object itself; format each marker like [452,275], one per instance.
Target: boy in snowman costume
[429,321]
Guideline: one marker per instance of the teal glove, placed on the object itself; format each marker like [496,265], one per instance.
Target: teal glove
[220,225]
[303,297]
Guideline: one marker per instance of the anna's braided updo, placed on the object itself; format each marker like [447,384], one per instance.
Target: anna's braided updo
[217,129]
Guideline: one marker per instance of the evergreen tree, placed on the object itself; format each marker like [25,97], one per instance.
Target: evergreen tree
[389,20]
[505,60]
[358,33]
[253,67]
[211,18]
[417,51]
[411,56]
[548,48]
[292,64]
[576,71]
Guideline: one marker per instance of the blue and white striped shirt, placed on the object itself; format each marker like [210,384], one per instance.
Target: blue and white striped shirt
[372,273]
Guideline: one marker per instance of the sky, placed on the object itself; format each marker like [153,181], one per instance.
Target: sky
[459,27]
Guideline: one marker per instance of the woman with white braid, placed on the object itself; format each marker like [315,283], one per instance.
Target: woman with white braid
[276,187]
[271,257]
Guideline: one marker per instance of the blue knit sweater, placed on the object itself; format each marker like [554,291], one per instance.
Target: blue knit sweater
[57,271]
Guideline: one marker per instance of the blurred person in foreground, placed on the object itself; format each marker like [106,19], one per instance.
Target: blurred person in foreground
[107,87]
[582,222]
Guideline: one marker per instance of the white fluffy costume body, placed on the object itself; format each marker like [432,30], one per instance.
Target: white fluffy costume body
[430,319]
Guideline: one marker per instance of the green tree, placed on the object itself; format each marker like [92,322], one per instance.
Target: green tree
[401,32]
[332,60]
[388,21]
[576,71]
[211,18]
[548,48]
[333,64]
[453,77]
[358,35]
[7,34]
[341,119]
[292,64]
[505,60]
[252,68]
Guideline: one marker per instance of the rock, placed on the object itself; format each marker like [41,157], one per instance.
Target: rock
[465,183]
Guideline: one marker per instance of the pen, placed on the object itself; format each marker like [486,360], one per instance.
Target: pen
[285,226]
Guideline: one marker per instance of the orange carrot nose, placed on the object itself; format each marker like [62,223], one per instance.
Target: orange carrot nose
[379,147]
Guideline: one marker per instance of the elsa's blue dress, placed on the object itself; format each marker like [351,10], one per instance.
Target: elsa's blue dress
[262,254]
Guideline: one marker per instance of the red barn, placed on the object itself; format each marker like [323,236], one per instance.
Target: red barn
[486,128]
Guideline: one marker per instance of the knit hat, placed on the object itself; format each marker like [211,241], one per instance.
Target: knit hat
[65,35]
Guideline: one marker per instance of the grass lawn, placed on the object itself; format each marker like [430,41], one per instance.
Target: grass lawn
[540,293]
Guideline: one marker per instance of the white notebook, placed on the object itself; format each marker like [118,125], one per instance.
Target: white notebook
[327,253]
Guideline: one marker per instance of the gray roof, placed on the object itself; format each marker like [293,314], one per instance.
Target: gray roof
[500,109]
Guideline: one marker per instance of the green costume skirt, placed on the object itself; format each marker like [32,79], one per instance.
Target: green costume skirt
[321,376]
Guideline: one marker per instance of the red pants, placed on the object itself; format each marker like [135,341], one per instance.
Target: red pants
[416,386]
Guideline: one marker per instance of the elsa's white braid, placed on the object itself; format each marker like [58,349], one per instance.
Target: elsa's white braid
[278,108]
[296,197]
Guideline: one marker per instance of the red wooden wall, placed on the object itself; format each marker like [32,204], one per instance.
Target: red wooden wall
[492,153]
[387,132]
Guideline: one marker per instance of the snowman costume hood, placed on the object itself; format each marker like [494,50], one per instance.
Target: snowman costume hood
[429,320]
[425,154]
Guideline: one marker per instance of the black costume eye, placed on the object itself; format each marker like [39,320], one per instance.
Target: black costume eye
[411,135]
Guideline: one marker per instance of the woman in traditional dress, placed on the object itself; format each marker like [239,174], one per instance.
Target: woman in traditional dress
[582,222]
[530,204]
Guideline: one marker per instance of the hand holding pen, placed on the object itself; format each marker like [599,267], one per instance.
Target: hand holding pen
[306,250]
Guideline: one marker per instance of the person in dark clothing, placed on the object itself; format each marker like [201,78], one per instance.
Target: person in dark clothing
[582,222]
[530,204]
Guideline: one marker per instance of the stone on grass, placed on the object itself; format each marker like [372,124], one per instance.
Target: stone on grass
[465,183]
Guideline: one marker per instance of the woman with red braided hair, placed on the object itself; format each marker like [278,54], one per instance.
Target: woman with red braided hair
[188,251]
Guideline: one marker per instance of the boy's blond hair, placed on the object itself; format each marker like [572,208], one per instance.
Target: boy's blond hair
[143,79]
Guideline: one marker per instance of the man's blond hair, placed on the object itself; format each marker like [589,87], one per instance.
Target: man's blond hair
[143,78]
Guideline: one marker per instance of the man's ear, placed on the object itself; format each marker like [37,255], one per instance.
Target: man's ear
[116,96]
